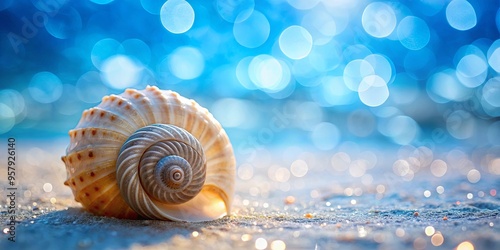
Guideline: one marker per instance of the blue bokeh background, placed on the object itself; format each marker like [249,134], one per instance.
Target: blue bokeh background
[423,73]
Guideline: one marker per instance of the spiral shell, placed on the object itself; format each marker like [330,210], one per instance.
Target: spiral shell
[151,154]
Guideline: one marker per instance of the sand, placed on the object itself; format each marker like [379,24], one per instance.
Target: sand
[325,209]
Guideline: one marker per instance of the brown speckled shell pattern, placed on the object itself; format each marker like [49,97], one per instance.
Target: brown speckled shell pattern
[96,141]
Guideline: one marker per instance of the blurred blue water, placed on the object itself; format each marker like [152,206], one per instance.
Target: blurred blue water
[401,72]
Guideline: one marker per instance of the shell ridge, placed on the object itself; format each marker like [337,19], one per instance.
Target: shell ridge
[141,102]
[102,118]
[115,198]
[156,108]
[103,191]
[123,107]
[112,139]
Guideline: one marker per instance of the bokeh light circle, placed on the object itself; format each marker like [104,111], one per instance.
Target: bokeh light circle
[120,72]
[303,5]
[325,136]
[67,23]
[438,169]
[137,49]
[373,91]
[235,10]
[265,71]
[242,73]
[284,85]
[268,73]
[461,15]
[299,168]
[472,70]
[89,87]
[491,92]
[402,129]
[231,112]
[413,33]
[355,71]
[332,92]
[177,16]
[152,6]
[7,118]
[253,31]
[304,72]
[340,16]
[473,176]
[321,25]
[103,49]
[295,42]
[494,55]
[432,7]
[382,66]
[327,57]
[378,19]
[460,124]
[45,87]
[443,86]
[186,63]
[13,99]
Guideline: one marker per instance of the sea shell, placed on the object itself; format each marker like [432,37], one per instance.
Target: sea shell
[151,154]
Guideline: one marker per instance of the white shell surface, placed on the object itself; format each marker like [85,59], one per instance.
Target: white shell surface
[96,141]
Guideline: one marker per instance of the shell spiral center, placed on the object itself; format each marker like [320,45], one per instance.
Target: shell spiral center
[172,171]
[170,164]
